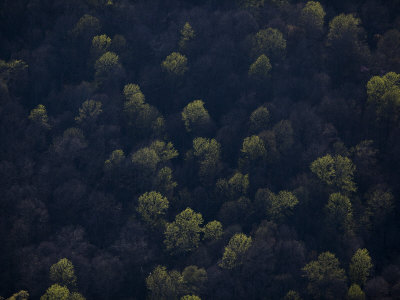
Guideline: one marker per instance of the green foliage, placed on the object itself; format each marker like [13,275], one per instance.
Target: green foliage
[235,251]
[259,119]
[281,205]
[133,93]
[384,93]
[251,4]
[21,295]
[389,48]
[312,17]
[260,68]
[269,42]
[165,151]
[236,186]
[10,71]
[190,297]
[344,29]
[56,292]
[213,231]
[335,171]
[39,116]
[175,64]
[106,65]
[146,160]
[324,276]
[152,207]
[89,111]
[183,235]
[194,279]
[360,267]
[339,212]
[207,152]
[63,273]
[100,45]
[187,34]
[87,26]
[380,203]
[115,160]
[292,295]
[163,284]
[253,148]
[164,182]
[355,293]
[195,116]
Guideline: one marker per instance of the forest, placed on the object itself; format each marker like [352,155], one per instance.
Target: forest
[199,149]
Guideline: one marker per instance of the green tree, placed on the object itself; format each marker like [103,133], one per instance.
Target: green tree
[281,205]
[21,295]
[207,152]
[344,29]
[337,171]
[146,160]
[164,181]
[194,279]
[87,26]
[380,203]
[56,292]
[196,117]
[260,69]
[253,148]
[355,293]
[89,111]
[106,66]
[163,284]
[360,267]
[165,151]
[269,42]
[213,231]
[183,235]
[259,119]
[292,295]
[312,17]
[63,273]
[175,64]
[187,34]
[384,93]
[39,116]
[115,160]
[235,251]
[152,207]
[326,280]
[190,297]
[100,45]
[235,186]
[339,212]
[251,4]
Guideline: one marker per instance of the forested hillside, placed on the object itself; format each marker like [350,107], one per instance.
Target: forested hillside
[203,149]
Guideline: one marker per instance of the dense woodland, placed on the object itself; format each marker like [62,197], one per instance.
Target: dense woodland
[203,149]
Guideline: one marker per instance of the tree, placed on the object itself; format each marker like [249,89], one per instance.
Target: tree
[194,279]
[56,292]
[355,293]
[251,4]
[190,297]
[146,160]
[89,111]
[292,295]
[260,69]
[235,251]
[269,42]
[384,93]
[325,277]
[175,64]
[187,34]
[380,204]
[39,116]
[312,17]
[21,295]
[360,267]
[87,26]
[389,48]
[100,45]
[164,182]
[281,205]
[115,160]
[259,119]
[213,231]
[163,284]
[183,235]
[344,30]
[152,207]
[196,117]
[234,187]
[253,148]
[165,151]
[337,171]
[207,151]
[339,212]
[106,66]
[283,135]
[63,273]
